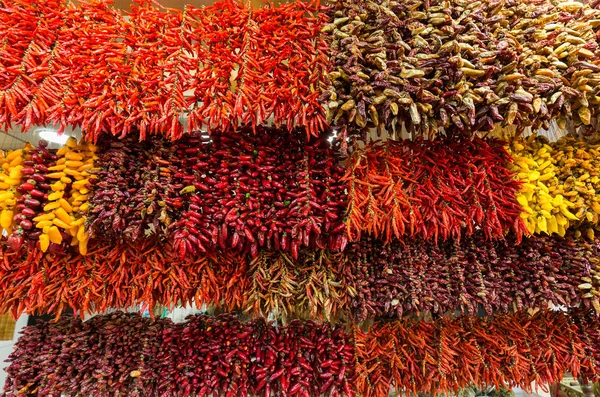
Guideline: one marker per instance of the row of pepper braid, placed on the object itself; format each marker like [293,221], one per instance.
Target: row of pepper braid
[459,66]
[88,66]
[560,184]
[243,191]
[125,354]
[451,353]
[368,281]
[43,196]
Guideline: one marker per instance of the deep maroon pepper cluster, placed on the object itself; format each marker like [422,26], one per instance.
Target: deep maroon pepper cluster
[243,191]
[135,195]
[126,354]
[397,279]
[33,196]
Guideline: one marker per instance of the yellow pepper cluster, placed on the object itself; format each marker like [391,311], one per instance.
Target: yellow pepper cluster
[10,179]
[545,209]
[577,165]
[67,205]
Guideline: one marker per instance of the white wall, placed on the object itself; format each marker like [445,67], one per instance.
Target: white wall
[6,347]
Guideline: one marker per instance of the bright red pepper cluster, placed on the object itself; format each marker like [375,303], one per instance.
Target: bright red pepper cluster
[222,66]
[240,191]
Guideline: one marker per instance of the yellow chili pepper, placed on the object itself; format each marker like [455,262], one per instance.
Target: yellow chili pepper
[43,224]
[58,186]
[6,219]
[44,242]
[55,175]
[55,235]
[83,247]
[56,195]
[81,233]
[57,167]
[65,205]
[51,206]
[74,164]
[72,172]
[73,156]
[44,217]
[61,224]
[63,216]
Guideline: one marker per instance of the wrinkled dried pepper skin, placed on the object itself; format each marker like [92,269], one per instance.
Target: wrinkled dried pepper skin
[476,275]
[458,67]
[90,67]
[126,354]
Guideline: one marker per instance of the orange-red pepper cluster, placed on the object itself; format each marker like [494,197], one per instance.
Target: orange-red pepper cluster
[434,190]
[223,66]
[118,276]
[452,353]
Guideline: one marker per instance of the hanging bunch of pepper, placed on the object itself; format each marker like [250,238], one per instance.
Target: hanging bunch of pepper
[88,66]
[246,191]
[534,165]
[316,286]
[35,193]
[461,67]
[560,180]
[29,37]
[452,353]
[473,276]
[134,195]
[10,181]
[119,276]
[435,190]
[126,353]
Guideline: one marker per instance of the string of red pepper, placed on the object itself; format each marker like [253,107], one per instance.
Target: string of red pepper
[473,276]
[127,354]
[435,190]
[89,67]
[367,281]
[242,191]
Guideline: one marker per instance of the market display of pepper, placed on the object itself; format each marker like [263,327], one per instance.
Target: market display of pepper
[134,75]
[126,354]
[330,168]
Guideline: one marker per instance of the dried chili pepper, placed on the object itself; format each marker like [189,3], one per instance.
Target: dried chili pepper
[437,190]
[88,66]
[203,356]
